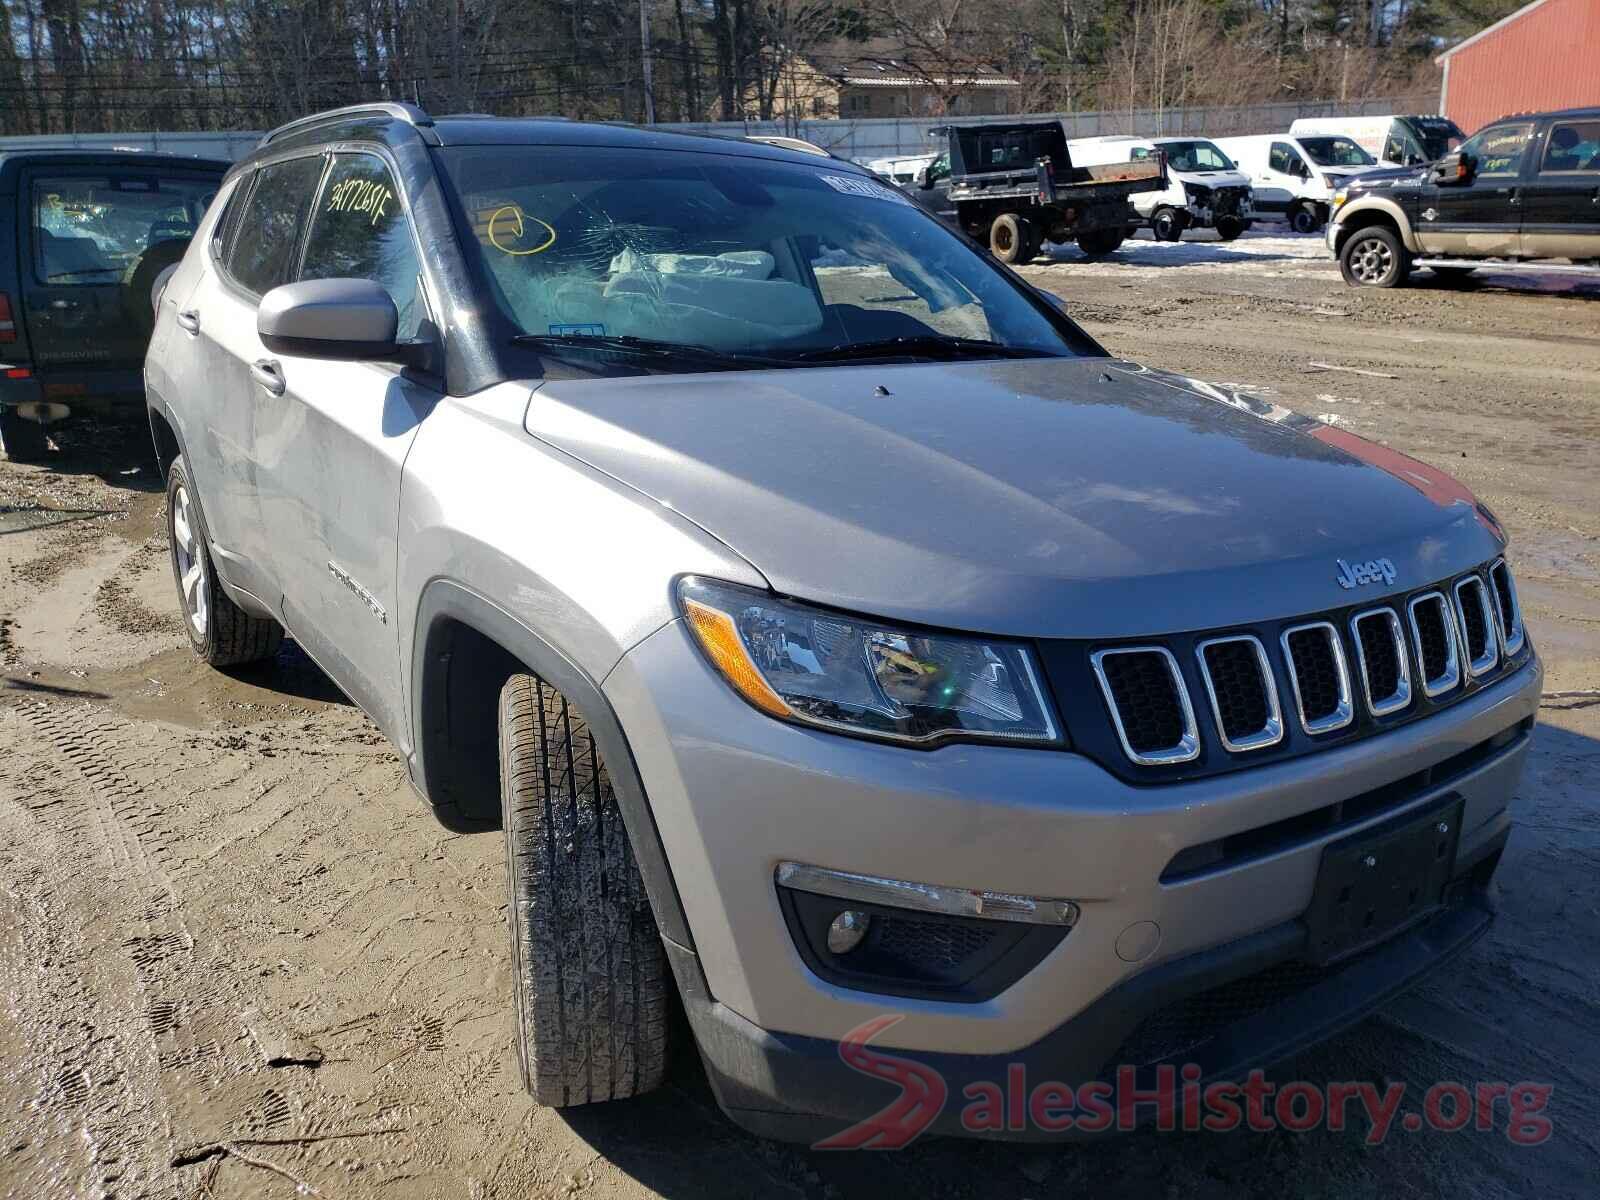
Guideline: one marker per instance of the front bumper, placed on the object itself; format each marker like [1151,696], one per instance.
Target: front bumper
[735,793]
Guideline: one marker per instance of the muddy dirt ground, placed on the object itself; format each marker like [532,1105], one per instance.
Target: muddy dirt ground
[239,959]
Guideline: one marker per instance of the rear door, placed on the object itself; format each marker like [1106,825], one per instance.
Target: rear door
[1482,217]
[331,446]
[86,234]
[1561,193]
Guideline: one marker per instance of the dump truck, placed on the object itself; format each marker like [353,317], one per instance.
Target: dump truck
[1013,186]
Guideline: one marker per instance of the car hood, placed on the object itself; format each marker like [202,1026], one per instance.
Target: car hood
[1038,497]
[1212,178]
[1386,176]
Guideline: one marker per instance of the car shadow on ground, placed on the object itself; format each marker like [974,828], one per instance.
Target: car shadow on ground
[117,450]
[1487,281]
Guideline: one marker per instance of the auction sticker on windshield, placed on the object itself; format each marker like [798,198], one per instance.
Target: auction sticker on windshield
[872,190]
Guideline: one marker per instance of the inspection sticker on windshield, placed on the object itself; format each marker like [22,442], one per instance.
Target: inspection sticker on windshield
[853,186]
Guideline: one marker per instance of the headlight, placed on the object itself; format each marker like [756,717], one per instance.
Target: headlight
[1340,196]
[857,676]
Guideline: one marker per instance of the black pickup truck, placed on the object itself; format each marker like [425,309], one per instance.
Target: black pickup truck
[1518,194]
[1013,186]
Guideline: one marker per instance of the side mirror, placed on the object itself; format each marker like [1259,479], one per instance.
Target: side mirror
[925,177]
[350,319]
[1453,170]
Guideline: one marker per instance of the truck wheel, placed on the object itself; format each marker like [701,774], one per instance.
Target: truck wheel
[24,441]
[589,973]
[219,630]
[1374,257]
[1100,242]
[1009,238]
[1164,224]
[1229,228]
[1303,219]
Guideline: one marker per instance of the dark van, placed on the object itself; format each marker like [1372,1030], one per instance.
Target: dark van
[84,234]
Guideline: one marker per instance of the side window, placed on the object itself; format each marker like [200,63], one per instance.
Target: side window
[360,231]
[262,254]
[1282,158]
[222,232]
[1573,147]
[1499,150]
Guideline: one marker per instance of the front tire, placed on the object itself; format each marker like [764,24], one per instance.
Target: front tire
[1374,257]
[1229,228]
[1303,219]
[219,630]
[1165,225]
[589,972]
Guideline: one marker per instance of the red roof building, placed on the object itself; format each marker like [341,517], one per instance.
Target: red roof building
[1544,56]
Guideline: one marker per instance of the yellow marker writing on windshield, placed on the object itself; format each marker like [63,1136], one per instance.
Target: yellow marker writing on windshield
[494,239]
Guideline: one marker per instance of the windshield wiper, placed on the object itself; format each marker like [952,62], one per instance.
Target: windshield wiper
[937,345]
[640,347]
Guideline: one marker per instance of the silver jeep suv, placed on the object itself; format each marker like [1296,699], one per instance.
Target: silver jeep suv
[847,645]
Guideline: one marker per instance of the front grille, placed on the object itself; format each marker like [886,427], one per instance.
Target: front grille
[1507,606]
[1343,675]
[1433,634]
[1381,656]
[1244,700]
[1477,625]
[1149,705]
[1318,676]
[1227,201]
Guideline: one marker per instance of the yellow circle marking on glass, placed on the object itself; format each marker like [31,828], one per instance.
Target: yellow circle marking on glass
[494,239]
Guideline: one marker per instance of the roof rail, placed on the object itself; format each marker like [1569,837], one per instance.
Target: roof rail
[409,113]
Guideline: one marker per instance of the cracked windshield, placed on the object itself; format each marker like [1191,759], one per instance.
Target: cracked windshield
[755,262]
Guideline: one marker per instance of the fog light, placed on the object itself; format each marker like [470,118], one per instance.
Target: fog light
[847,931]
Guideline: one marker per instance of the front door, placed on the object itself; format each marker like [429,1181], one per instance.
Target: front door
[328,470]
[1482,217]
[1278,185]
[87,231]
[1561,196]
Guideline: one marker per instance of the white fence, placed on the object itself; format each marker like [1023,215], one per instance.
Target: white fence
[859,140]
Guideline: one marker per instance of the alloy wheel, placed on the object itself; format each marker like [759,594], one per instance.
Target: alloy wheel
[192,582]
[1371,261]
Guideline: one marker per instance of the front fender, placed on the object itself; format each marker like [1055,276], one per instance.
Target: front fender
[1368,209]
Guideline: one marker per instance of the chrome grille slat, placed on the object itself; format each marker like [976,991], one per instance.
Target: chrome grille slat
[1186,747]
[1393,637]
[1343,711]
[1474,612]
[1270,732]
[1508,606]
[1435,684]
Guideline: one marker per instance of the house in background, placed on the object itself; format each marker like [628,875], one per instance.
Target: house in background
[1544,56]
[858,80]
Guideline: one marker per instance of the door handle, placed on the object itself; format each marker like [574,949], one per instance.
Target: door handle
[63,305]
[189,321]
[269,375]
[1513,198]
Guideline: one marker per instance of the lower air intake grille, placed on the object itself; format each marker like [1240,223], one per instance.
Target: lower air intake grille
[1148,704]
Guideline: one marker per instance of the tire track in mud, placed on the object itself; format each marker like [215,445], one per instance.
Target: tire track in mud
[186,1005]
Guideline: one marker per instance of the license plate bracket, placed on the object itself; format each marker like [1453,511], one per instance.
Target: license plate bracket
[1373,884]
